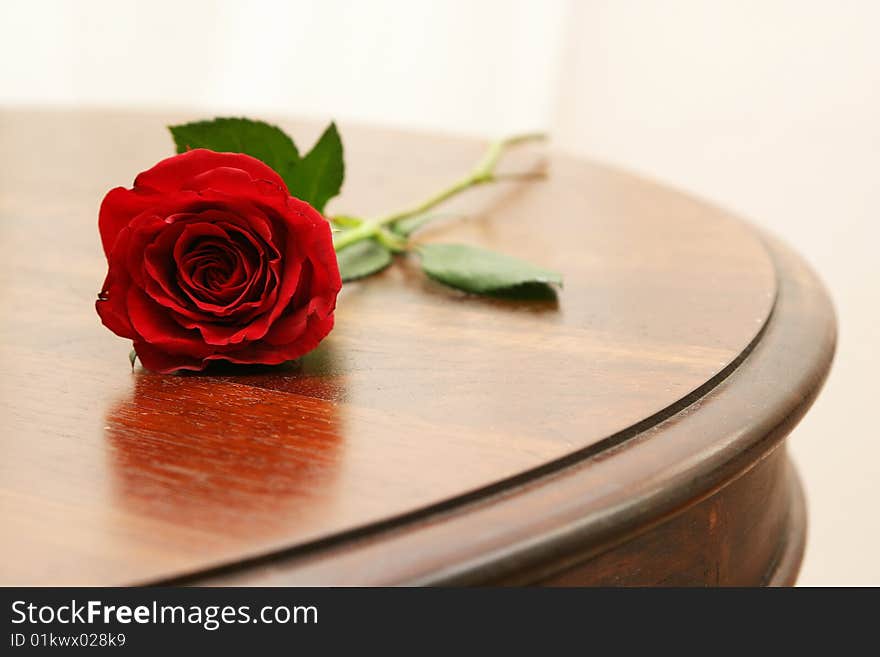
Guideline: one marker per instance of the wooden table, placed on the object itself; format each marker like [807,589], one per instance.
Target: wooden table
[630,432]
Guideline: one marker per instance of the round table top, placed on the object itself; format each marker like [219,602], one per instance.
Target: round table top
[421,398]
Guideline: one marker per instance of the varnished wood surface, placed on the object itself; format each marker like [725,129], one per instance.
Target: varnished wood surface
[737,537]
[705,497]
[419,397]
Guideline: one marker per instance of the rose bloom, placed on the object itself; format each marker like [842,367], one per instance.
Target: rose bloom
[211,259]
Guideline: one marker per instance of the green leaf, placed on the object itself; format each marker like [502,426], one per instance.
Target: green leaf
[480,271]
[132,356]
[263,141]
[318,176]
[315,178]
[362,259]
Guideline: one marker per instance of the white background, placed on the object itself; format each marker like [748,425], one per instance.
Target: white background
[771,108]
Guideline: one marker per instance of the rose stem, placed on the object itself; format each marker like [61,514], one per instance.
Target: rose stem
[482,174]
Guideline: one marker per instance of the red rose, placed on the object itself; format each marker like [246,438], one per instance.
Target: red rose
[210,258]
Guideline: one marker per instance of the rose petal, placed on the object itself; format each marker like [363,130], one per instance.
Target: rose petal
[267,354]
[233,181]
[118,208]
[111,304]
[175,173]
[152,323]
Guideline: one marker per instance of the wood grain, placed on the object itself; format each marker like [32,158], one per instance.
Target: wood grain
[421,396]
[735,538]
[707,496]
